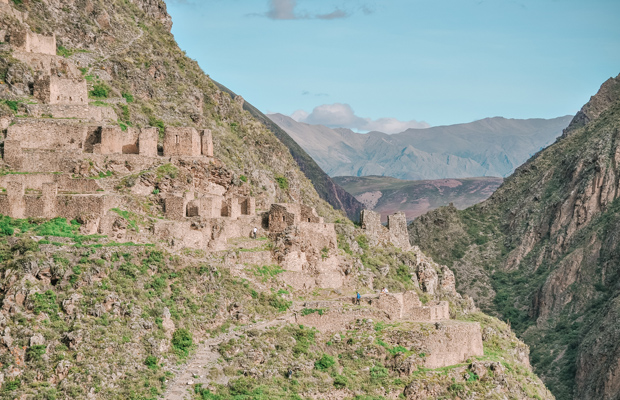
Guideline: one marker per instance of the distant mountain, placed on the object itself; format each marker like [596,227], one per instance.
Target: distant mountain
[387,195]
[488,147]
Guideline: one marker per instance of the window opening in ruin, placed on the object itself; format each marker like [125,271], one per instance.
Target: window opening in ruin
[58,98]
[70,98]
[176,139]
[308,219]
[283,219]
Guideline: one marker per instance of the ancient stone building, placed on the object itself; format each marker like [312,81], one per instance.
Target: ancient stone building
[206,206]
[395,232]
[30,42]
[182,142]
[283,215]
[50,89]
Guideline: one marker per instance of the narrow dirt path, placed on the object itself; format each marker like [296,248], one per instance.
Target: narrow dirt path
[197,369]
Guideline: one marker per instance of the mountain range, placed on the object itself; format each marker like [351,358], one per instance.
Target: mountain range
[387,195]
[488,147]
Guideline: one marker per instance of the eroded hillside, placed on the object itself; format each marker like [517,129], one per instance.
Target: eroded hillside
[542,252]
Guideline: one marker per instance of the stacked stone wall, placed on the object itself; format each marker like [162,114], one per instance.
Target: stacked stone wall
[281,216]
[207,143]
[30,42]
[48,134]
[116,141]
[395,233]
[13,153]
[46,64]
[397,228]
[453,343]
[147,142]
[51,89]
[64,183]
[180,142]
[85,112]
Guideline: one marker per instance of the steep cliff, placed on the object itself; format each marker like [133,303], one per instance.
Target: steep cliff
[543,252]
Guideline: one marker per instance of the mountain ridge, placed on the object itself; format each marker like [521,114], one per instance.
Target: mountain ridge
[489,147]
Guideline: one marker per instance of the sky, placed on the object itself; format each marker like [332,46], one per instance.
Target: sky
[389,65]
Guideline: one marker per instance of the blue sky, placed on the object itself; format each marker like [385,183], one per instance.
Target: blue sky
[393,64]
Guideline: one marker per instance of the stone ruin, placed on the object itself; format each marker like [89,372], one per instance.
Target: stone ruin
[284,215]
[395,233]
[446,342]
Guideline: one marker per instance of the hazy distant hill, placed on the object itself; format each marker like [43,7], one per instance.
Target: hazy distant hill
[489,147]
[387,195]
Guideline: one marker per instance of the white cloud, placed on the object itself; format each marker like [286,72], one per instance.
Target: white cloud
[340,115]
[287,10]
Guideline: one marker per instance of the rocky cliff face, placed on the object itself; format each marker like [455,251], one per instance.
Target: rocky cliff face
[543,251]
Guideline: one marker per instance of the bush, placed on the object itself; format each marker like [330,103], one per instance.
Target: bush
[304,337]
[46,302]
[128,97]
[151,362]
[182,341]
[243,178]
[282,182]
[378,372]
[340,382]
[100,91]
[34,353]
[325,362]
[157,123]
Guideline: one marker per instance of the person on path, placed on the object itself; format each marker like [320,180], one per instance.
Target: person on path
[357,298]
[290,373]
[384,290]
[254,232]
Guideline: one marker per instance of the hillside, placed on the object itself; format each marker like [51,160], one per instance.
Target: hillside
[542,252]
[489,147]
[387,195]
[159,241]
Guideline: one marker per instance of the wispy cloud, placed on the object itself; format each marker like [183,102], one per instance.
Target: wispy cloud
[339,115]
[289,10]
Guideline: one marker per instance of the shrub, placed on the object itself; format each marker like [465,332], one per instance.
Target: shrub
[325,362]
[12,104]
[151,362]
[100,91]
[308,311]
[34,353]
[182,341]
[378,372]
[243,178]
[279,303]
[46,302]
[282,182]
[340,382]
[168,170]
[157,123]
[304,337]
[128,97]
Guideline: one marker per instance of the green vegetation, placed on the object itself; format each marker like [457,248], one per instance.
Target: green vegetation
[282,182]
[308,311]
[182,342]
[167,170]
[100,91]
[12,104]
[128,97]
[324,363]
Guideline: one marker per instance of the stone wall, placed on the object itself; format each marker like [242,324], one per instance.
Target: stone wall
[283,215]
[397,228]
[30,42]
[182,142]
[51,89]
[174,208]
[13,153]
[395,233]
[64,182]
[147,142]
[452,343]
[46,64]
[48,134]
[49,204]
[207,143]
[6,8]
[90,113]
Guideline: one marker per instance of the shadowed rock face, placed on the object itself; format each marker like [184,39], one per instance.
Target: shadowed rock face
[544,253]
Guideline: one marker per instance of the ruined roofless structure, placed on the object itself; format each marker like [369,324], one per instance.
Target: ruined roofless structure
[395,232]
